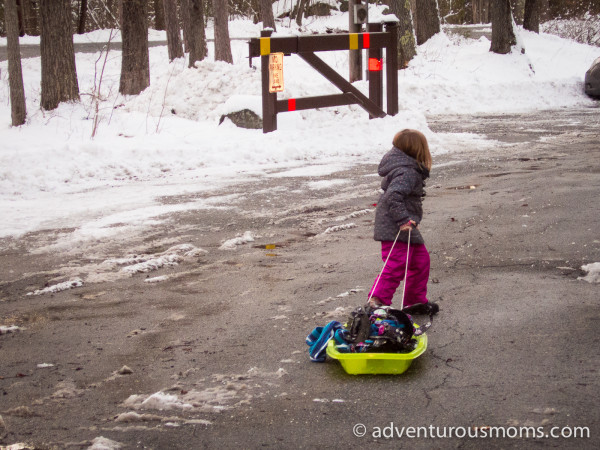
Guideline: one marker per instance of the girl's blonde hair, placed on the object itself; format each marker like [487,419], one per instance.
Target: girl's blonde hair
[414,144]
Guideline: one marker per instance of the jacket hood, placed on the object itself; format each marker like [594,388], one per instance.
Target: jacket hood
[396,160]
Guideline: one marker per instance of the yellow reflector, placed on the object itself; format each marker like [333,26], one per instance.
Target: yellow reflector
[265,46]
[270,246]
[353,41]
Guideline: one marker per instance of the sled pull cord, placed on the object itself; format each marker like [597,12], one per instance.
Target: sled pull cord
[405,270]
[385,264]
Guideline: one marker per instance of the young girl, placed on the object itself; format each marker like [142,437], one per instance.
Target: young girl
[404,170]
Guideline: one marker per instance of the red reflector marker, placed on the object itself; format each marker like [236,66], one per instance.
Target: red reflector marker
[366,40]
[292,104]
[375,64]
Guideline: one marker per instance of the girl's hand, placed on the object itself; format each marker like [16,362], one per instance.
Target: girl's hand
[408,225]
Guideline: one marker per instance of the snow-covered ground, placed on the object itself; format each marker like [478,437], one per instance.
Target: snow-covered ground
[168,141]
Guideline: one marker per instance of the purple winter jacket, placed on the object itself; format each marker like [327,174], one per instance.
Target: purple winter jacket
[403,187]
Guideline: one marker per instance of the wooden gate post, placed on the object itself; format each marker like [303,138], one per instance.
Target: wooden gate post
[269,100]
[375,67]
[391,68]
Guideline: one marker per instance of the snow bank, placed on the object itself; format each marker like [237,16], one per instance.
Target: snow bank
[168,141]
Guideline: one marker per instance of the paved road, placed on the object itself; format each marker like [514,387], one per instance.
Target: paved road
[222,337]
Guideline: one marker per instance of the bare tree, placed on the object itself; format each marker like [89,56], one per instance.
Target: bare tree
[531,19]
[503,35]
[59,75]
[196,44]
[266,14]
[428,20]
[172,25]
[184,13]
[135,65]
[21,17]
[301,7]
[481,11]
[83,10]
[222,42]
[15,73]
[159,16]
[407,48]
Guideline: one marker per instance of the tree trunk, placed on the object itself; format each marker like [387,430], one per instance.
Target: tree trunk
[82,16]
[112,14]
[428,20]
[15,74]
[59,75]
[30,17]
[300,11]
[407,48]
[256,12]
[159,16]
[503,36]
[481,11]
[184,13]
[135,65]
[544,9]
[196,35]
[172,25]
[531,19]
[266,14]
[222,42]
[21,17]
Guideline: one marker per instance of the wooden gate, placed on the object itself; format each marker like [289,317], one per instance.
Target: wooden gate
[374,40]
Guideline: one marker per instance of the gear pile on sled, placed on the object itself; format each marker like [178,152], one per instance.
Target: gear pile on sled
[372,341]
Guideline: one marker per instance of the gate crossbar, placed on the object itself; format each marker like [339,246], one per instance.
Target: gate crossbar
[306,46]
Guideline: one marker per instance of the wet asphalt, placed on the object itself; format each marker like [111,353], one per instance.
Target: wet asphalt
[515,344]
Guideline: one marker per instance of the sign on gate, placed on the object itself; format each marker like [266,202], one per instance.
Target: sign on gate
[271,51]
[275,72]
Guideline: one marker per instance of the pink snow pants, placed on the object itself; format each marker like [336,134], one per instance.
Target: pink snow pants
[393,273]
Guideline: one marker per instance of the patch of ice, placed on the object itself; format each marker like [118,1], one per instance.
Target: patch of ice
[153,264]
[44,365]
[340,310]
[338,228]
[102,443]
[66,285]
[156,279]
[8,329]
[326,184]
[231,244]
[353,215]
[281,317]
[593,272]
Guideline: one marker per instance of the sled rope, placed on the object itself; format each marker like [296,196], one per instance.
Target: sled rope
[385,264]
[405,271]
